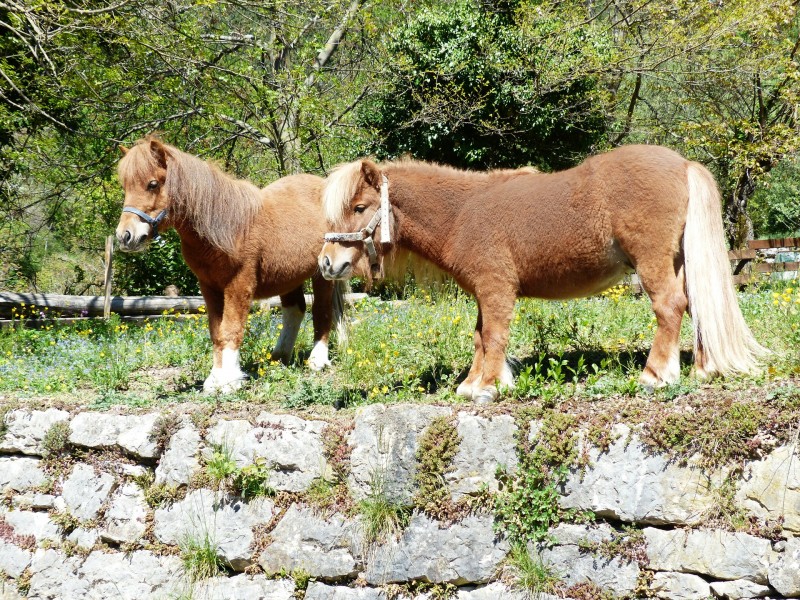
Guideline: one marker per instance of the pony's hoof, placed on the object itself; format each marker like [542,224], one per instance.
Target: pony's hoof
[318,365]
[485,395]
[318,359]
[223,383]
[464,390]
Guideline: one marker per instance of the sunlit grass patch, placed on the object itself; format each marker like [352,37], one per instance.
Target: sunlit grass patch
[410,350]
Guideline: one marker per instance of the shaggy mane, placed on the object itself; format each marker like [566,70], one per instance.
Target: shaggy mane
[218,206]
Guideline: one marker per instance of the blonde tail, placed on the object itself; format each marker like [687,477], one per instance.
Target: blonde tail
[720,331]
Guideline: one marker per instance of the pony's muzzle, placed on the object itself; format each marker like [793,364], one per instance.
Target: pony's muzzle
[333,271]
[132,239]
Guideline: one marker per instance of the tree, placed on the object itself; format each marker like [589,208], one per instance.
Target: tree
[718,80]
[478,85]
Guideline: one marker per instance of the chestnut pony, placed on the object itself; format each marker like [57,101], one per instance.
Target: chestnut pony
[240,241]
[562,235]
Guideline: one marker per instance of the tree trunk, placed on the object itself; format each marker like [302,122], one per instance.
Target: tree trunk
[738,223]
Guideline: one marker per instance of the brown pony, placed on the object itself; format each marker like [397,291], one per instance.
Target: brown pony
[240,241]
[562,235]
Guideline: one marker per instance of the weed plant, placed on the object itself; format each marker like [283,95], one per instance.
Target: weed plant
[416,349]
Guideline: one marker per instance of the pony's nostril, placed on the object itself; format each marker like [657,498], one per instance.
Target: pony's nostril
[345,267]
[127,237]
[326,262]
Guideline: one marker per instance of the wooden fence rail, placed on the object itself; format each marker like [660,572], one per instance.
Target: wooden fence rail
[11,304]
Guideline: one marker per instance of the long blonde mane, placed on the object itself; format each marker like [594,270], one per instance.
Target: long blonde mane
[340,187]
[217,206]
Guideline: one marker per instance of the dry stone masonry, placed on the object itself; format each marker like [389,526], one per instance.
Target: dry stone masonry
[85,521]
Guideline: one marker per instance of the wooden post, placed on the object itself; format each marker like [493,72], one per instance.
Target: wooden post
[107,277]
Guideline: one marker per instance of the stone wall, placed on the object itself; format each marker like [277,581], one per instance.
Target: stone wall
[81,517]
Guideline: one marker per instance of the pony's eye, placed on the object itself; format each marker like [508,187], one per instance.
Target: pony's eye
[360,208]
[152,185]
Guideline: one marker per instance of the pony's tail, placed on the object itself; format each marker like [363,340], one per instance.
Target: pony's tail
[720,331]
[340,288]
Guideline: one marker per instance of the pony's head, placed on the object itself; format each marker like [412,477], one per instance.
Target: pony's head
[142,173]
[356,205]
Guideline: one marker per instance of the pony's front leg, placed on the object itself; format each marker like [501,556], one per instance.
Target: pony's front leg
[467,387]
[227,315]
[322,316]
[497,310]
[293,309]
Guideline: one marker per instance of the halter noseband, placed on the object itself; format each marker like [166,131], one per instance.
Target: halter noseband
[153,222]
[365,234]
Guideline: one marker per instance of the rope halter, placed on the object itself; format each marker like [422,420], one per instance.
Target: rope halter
[153,222]
[365,234]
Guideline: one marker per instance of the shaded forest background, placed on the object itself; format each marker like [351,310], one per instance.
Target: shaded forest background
[269,88]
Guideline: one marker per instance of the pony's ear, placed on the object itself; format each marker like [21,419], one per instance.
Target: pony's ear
[159,152]
[123,150]
[371,174]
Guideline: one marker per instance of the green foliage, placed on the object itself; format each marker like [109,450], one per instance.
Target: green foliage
[776,203]
[473,87]
[382,518]
[527,505]
[199,557]
[56,439]
[220,465]
[438,445]
[148,273]
[252,481]
[529,571]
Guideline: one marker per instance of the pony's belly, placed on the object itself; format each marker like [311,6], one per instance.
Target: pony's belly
[573,283]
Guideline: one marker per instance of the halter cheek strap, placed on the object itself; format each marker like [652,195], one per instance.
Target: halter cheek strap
[153,222]
[365,234]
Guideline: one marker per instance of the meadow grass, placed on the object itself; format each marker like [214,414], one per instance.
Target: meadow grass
[414,350]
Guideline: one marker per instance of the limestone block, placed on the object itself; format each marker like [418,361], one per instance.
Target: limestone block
[179,460]
[469,552]
[486,444]
[291,446]
[84,538]
[245,587]
[126,516]
[13,560]
[384,442]
[226,522]
[713,553]
[323,548]
[25,429]
[33,500]
[37,524]
[739,589]
[54,577]
[680,586]
[102,430]
[497,591]
[573,565]
[784,572]
[321,591]
[20,473]
[770,488]
[629,484]
[85,491]
[133,575]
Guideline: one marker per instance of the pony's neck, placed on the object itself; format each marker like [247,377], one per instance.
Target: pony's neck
[425,206]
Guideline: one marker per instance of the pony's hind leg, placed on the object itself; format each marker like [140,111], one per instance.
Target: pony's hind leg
[293,309]
[664,285]
[322,316]
[466,388]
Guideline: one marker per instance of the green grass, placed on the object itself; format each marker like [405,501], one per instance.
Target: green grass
[413,351]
